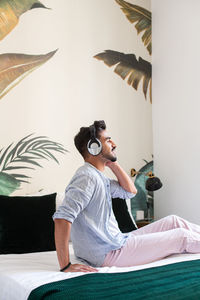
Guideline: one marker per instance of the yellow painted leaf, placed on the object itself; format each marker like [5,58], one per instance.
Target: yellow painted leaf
[14,67]
[11,10]
[142,18]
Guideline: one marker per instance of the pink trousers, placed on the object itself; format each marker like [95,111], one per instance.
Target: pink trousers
[157,240]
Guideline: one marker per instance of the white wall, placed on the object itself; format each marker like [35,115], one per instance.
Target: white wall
[73,89]
[176,106]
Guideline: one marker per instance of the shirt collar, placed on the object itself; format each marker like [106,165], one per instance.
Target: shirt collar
[90,165]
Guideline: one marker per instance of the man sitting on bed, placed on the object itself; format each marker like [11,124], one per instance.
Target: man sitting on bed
[86,213]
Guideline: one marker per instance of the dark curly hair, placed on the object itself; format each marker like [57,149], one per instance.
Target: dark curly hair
[83,136]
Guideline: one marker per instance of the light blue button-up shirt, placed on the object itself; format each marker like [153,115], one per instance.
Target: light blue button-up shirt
[88,206]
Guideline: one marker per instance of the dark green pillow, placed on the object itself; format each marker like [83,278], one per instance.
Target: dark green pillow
[26,224]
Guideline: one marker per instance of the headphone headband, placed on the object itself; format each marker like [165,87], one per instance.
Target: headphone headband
[92,131]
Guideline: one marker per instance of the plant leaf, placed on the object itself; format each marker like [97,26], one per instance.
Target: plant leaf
[142,16]
[14,67]
[4,154]
[42,143]
[38,4]
[15,149]
[29,144]
[11,10]
[8,184]
[128,67]
[26,145]
[19,176]
[24,152]
[36,153]
[51,155]
[17,168]
[27,160]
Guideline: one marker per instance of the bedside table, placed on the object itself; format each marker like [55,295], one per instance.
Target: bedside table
[142,223]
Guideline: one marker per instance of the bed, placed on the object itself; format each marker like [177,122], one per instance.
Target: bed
[29,267]
[27,276]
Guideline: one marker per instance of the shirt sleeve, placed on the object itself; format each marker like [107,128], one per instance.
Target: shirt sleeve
[77,196]
[119,192]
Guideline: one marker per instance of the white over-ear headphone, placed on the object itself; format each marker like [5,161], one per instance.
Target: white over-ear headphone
[94,145]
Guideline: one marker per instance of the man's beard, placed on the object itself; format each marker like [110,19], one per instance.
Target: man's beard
[109,157]
[113,158]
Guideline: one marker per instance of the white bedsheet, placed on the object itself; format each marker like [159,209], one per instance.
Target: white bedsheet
[21,273]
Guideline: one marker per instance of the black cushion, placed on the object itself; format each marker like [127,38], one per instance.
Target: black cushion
[122,215]
[26,224]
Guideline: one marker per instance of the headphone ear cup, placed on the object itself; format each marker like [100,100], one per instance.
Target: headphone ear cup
[94,147]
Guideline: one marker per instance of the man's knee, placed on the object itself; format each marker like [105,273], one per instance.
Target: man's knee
[172,218]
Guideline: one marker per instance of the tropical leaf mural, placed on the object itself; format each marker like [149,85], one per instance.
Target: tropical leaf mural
[25,154]
[142,16]
[29,151]
[15,67]
[127,66]
[11,10]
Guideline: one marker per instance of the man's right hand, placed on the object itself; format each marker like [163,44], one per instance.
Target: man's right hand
[80,268]
[62,234]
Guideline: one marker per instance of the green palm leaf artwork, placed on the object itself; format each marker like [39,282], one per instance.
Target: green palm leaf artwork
[25,154]
[139,202]
[127,66]
[14,67]
[142,17]
[8,184]
[11,10]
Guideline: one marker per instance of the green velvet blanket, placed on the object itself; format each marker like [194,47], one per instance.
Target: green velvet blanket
[175,281]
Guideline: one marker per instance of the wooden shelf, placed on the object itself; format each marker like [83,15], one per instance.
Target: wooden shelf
[142,223]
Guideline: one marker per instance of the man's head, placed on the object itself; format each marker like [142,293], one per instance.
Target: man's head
[83,137]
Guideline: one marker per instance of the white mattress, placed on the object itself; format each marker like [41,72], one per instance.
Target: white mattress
[21,273]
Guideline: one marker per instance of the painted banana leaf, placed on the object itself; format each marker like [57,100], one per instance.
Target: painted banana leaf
[142,17]
[24,155]
[14,67]
[139,201]
[127,66]
[11,10]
